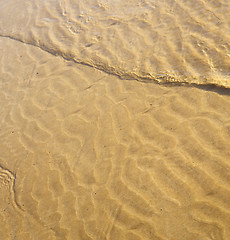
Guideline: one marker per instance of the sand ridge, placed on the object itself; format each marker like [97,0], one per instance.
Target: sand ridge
[163,41]
[97,157]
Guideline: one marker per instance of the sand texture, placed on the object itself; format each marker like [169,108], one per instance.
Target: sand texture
[89,155]
[165,41]
[85,155]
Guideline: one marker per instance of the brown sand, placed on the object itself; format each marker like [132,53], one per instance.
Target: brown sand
[85,155]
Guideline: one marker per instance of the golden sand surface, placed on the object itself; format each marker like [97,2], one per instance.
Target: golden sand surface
[164,41]
[89,155]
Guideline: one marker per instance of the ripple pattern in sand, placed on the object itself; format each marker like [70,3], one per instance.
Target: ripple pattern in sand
[97,157]
[165,41]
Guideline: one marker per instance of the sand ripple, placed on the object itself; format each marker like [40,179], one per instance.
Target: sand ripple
[164,41]
[85,155]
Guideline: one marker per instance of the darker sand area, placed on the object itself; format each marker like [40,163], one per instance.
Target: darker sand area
[87,156]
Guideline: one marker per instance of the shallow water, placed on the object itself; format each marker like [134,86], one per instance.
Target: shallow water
[164,41]
[91,146]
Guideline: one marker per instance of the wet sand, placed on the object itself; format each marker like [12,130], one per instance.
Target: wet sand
[162,41]
[89,155]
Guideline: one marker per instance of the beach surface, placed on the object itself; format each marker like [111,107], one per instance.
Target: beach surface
[114,120]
